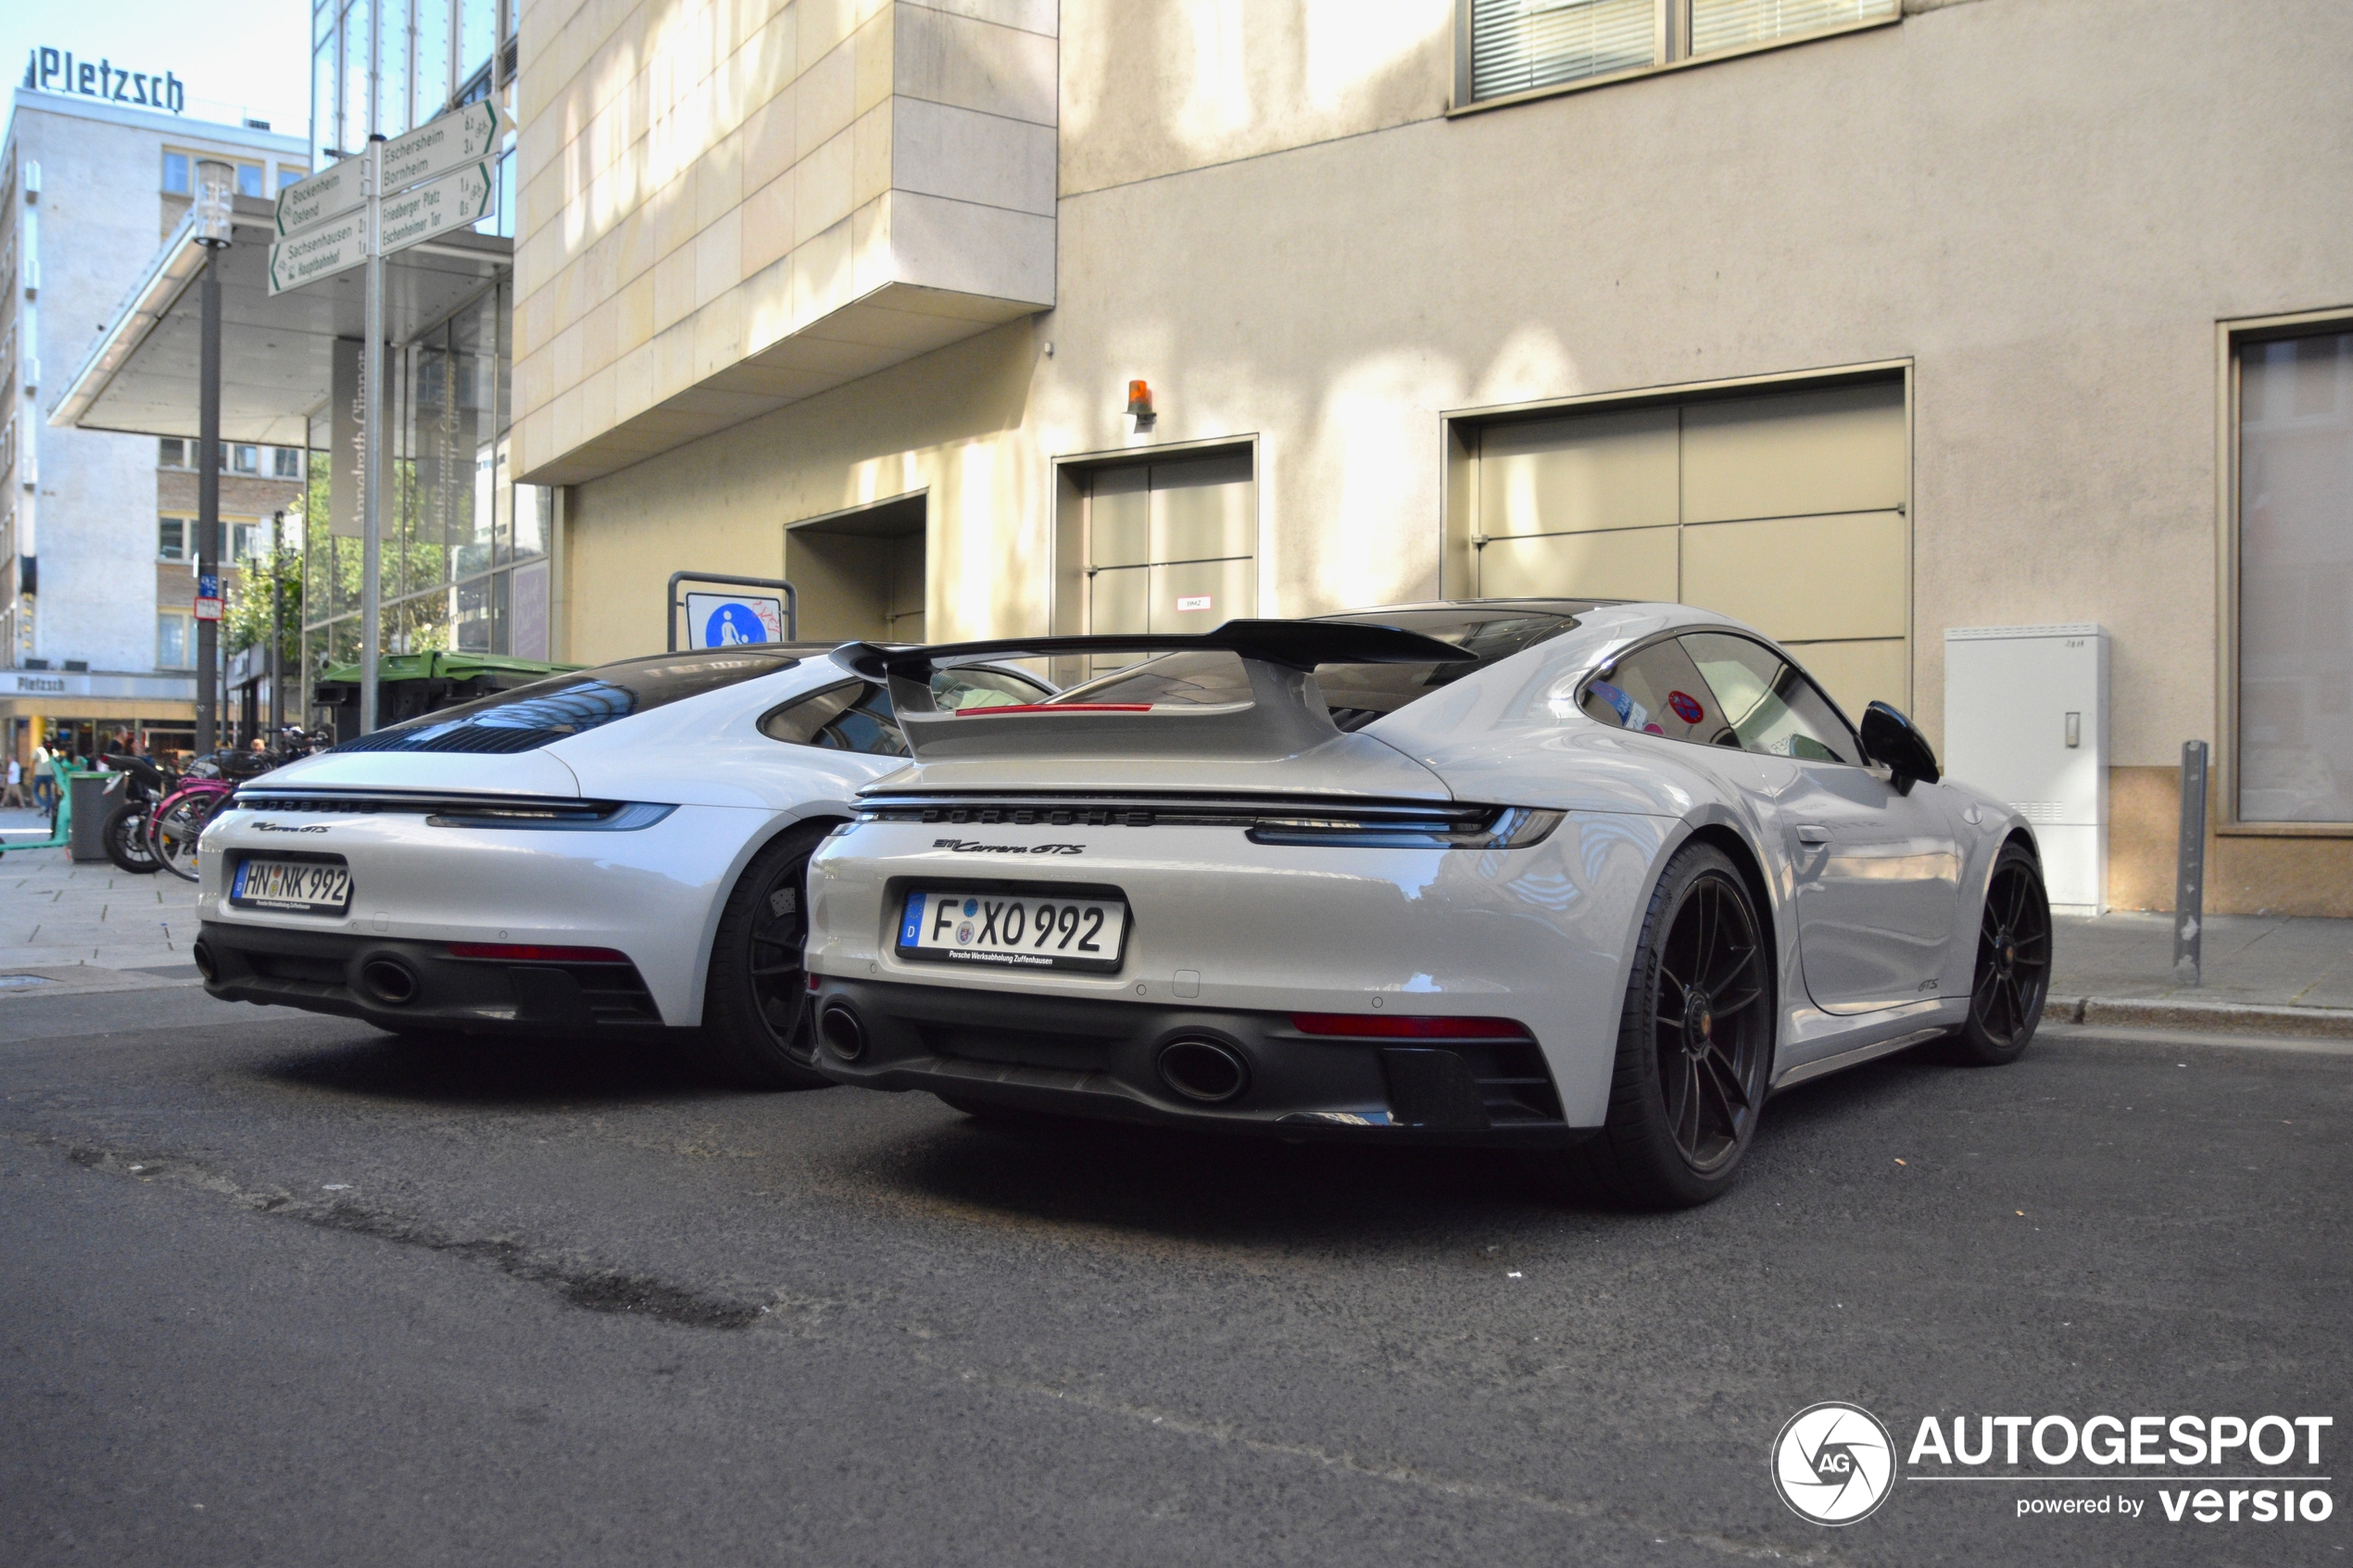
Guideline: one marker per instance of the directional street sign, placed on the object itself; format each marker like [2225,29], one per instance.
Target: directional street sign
[470,135]
[319,253]
[454,201]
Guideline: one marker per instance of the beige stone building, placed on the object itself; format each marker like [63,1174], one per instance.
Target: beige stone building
[1861,319]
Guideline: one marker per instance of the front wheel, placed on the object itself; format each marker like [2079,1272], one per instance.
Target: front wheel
[1694,1044]
[2013,962]
[125,836]
[755,1008]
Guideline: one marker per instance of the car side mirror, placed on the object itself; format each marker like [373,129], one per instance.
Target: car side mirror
[1897,741]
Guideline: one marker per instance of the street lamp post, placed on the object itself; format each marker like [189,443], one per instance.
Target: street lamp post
[214,214]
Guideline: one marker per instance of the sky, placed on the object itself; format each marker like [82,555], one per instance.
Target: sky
[240,58]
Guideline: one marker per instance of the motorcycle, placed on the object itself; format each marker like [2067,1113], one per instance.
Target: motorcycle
[138,783]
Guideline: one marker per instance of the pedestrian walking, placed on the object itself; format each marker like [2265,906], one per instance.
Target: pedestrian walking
[13,795]
[44,778]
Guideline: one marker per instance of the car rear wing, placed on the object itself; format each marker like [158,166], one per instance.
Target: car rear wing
[1285,713]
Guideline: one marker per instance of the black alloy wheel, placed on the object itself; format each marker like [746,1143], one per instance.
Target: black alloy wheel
[1696,1041]
[2013,975]
[756,1013]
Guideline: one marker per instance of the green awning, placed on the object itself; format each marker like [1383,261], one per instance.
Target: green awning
[446,667]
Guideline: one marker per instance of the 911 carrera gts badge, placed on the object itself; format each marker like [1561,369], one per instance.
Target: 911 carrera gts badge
[970,846]
[286,827]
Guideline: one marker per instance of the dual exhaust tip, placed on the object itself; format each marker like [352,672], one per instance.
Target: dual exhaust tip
[1194,1067]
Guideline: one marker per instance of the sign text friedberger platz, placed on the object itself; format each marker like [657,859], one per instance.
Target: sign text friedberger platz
[55,71]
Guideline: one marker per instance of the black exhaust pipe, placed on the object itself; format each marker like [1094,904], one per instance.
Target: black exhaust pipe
[389,981]
[840,1030]
[1206,1070]
[202,956]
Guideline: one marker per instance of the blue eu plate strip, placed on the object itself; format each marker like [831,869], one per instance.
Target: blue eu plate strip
[910,934]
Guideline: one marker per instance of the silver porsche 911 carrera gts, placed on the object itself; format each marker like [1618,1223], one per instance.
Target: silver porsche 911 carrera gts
[1567,876]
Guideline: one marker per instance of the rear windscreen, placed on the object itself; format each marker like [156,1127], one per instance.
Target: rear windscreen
[533,716]
[1357,694]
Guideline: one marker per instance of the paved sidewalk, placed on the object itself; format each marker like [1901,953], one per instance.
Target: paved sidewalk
[88,927]
[2262,973]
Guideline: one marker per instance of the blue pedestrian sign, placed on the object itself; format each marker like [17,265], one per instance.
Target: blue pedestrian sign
[719,621]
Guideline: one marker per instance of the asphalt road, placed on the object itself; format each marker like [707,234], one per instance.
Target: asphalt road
[281,1289]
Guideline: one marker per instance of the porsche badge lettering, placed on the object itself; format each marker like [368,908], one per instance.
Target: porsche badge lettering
[970,846]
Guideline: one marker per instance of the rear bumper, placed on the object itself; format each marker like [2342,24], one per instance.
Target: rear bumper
[1101,1058]
[329,971]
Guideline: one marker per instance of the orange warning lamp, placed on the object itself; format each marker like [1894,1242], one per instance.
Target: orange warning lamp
[1139,400]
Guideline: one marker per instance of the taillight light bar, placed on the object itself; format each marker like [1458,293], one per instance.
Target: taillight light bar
[1054,708]
[1384,1026]
[532,952]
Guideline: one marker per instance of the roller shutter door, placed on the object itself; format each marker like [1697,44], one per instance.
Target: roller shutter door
[1785,511]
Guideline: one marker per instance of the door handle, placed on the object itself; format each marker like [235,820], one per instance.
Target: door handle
[1814,836]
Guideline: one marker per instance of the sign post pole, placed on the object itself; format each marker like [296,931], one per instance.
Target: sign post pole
[372,370]
[214,233]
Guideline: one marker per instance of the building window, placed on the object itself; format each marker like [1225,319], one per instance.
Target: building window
[289,175]
[286,462]
[2295,579]
[172,642]
[249,460]
[173,452]
[249,180]
[1519,46]
[175,538]
[245,540]
[176,180]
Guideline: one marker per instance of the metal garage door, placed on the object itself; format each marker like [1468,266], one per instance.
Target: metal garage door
[1785,511]
[1170,544]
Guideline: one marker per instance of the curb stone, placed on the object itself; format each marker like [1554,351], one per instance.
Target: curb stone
[2229,1018]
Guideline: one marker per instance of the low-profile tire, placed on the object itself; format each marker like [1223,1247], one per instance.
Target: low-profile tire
[755,1013]
[2013,975]
[1694,1043]
[125,834]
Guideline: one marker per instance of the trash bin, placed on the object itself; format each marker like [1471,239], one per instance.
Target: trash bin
[88,798]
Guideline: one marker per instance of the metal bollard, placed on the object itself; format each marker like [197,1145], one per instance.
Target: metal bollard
[2189,879]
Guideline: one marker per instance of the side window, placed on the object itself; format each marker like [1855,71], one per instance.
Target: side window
[853,716]
[1658,691]
[985,685]
[1770,703]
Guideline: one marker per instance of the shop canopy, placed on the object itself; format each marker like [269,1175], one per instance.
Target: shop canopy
[277,353]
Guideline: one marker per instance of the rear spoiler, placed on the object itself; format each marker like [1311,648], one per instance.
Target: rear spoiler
[1286,715]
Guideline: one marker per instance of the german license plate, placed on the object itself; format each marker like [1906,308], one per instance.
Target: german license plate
[309,888]
[1012,930]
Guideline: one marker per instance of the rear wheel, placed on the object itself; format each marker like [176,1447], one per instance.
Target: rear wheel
[2013,962]
[755,1013]
[125,833]
[1694,1044]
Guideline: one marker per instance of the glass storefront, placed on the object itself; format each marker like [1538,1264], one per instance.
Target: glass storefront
[464,547]
[464,564]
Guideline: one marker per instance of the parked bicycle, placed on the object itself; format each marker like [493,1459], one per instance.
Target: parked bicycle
[177,822]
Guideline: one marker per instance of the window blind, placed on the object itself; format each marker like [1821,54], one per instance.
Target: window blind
[1517,46]
[1730,24]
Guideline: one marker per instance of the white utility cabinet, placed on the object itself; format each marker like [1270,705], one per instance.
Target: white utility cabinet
[2026,719]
